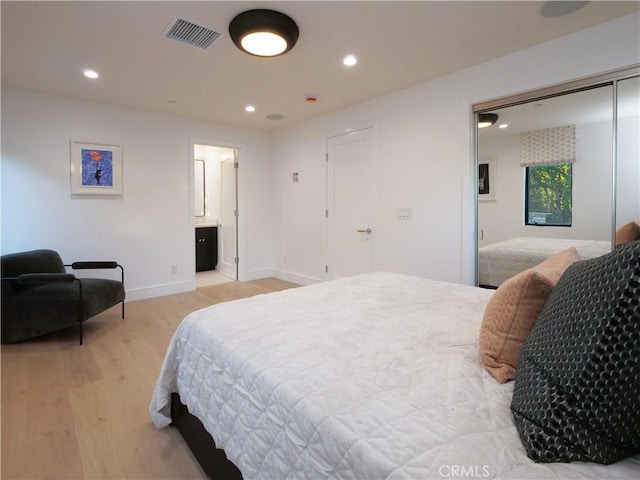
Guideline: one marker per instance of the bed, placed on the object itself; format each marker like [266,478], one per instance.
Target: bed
[502,260]
[374,376]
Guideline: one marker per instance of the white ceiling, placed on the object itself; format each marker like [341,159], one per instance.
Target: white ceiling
[577,108]
[46,46]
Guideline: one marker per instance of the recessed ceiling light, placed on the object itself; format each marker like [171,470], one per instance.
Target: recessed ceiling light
[504,125]
[249,108]
[350,60]
[274,116]
[91,74]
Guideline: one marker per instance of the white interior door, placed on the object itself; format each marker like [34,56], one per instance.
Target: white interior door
[352,197]
[228,236]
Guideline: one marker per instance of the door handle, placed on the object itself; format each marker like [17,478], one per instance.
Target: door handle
[367,231]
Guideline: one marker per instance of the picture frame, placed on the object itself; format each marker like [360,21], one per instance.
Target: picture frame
[487,175]
[96,169]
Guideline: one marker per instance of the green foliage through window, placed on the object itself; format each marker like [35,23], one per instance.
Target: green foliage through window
[548,195]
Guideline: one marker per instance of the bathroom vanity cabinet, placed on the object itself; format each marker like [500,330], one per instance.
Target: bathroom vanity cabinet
[206,248]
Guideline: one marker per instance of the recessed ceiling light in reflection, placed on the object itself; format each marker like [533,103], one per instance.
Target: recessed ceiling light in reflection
[274,116]
[503,125]
[350,60]
[91,74]
[250,108]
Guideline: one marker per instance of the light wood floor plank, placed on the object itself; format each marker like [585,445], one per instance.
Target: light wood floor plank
[51,443]
[95,430]
[71,411]
[15,388]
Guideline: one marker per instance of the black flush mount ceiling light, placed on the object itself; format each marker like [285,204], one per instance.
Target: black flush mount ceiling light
[487,119]
[263,33]
[555,9]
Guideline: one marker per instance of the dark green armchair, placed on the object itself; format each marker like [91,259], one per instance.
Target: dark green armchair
[39,296]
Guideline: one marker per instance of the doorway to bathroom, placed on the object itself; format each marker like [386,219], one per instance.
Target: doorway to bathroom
[215,211]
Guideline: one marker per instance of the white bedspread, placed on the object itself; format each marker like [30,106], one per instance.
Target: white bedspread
[502,260]
[370,377]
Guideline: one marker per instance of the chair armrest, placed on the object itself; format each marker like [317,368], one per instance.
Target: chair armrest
[31,278]
[92,265]
[97,265]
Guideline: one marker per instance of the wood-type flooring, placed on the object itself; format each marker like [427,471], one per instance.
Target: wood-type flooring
[74,411]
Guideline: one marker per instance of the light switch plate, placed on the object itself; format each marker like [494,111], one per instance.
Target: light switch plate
[404,214]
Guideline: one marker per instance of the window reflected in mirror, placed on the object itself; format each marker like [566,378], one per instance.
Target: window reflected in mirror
[548,195]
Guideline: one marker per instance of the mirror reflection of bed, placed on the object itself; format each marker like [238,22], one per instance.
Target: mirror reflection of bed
[576,129]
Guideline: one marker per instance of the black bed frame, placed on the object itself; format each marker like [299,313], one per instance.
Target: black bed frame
[213,460]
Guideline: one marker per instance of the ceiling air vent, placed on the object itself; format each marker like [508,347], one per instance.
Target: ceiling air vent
[190,33]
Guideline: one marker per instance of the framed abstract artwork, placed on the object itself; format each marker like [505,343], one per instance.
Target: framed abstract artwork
[96,169]
[487,179]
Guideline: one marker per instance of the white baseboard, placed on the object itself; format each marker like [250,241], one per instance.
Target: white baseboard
[159,290]
[295,277]
[282,275]
[189,285]
[259,273]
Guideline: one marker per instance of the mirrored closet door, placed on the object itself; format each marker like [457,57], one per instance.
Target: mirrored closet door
[628,152]
[555,170]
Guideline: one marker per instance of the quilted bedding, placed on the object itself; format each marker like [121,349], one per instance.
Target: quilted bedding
[502,260]
[369,377]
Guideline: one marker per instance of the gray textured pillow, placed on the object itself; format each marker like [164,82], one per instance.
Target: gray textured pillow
[577,390]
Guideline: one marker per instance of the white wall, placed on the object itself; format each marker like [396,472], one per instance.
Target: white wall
[151,226]
[425,156]
[591,189]
[424,152]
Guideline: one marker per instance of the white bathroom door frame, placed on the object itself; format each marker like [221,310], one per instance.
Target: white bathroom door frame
[228,227]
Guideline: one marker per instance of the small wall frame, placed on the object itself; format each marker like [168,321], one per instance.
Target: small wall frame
[487,179]
[96,169]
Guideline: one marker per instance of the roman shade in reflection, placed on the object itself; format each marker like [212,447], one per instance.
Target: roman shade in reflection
[548,146]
